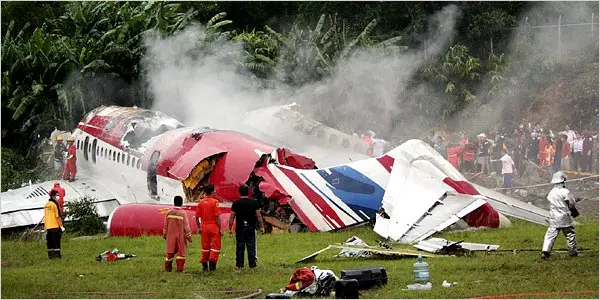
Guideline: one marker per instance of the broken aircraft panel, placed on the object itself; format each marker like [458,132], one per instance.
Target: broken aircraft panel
[443,246]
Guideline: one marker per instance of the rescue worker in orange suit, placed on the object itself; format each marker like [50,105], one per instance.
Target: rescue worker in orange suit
[177,233]
[53,226]
[209,226]
[61,196]
[71,165]
[368,138]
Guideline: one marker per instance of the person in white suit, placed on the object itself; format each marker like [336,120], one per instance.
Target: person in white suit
[562,212]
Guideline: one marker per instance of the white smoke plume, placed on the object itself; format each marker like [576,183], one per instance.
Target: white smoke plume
[201,82]
[538,59]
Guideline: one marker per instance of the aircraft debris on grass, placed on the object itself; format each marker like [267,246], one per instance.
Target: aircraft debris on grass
[133,162]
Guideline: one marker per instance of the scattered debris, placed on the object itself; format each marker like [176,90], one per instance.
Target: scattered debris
[446,284]
[355,241]
[113,255]
[443,246]
[418,286]
[374,250]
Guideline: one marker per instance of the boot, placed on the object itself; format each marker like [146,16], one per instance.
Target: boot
[545,255]
[204,267]
[51,254]
[57,254]
[180,264]
[169,265]
[213,265]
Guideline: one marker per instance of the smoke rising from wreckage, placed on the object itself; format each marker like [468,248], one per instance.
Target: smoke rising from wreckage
[140,159]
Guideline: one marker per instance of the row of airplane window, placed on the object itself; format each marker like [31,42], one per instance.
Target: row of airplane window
[117,156]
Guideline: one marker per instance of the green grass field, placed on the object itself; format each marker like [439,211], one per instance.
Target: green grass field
[27,273]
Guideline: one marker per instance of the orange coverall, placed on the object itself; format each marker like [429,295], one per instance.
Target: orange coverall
[207,210]
[177,232]
[71,165]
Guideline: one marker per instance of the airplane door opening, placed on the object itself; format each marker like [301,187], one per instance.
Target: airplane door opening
[151,174]
[86,145]
[94,150]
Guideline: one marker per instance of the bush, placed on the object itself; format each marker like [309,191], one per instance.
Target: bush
[83,217]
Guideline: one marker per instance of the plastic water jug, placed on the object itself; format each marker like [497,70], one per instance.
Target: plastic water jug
[421,271]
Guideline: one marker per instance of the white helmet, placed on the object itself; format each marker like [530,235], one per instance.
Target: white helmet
[558,177]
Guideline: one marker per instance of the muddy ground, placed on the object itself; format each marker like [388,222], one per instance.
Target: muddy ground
[586,188]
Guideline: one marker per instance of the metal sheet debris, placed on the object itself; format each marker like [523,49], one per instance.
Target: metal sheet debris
[443,246]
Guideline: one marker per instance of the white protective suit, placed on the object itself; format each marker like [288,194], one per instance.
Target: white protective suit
[560,219]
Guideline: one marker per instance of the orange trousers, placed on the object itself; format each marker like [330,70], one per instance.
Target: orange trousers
[211,243]
[70,171]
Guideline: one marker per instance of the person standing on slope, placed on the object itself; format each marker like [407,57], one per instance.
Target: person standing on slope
[71,165]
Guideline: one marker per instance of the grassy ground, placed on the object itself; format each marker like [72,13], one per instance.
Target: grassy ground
[27,273]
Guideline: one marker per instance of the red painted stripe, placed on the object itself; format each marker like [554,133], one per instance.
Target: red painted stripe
[314,198]
[302,216]
[386,161]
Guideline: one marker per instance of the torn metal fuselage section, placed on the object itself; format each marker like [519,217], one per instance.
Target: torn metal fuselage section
[273,200]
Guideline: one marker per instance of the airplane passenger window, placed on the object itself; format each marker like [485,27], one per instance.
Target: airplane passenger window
[320,133]
[345,143]
[77,144]
[128,158]
[333,139]
[114,155]
[119,157]
[133,162]
[139,164]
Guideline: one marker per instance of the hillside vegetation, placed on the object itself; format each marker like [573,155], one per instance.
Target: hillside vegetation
[398,68]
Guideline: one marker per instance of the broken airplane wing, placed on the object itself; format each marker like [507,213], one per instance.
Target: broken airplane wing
[25,206]
[513,207]
[417,204]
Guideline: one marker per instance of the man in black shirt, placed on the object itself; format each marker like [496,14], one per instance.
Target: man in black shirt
[246,213]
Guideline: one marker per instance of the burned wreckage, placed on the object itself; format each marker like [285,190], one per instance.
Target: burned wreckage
[134,161]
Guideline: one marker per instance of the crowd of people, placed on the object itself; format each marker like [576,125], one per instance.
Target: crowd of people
[567,150]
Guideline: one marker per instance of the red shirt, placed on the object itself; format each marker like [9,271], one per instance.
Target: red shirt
[72,151]
[61,197]
[207,210]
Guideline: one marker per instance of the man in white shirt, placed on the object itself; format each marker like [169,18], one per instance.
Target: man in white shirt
[577,152]
[507,168]
[570,135]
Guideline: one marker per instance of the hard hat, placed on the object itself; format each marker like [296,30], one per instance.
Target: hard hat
[558,177]
[481,135]
[70,139]
[59,138]
[56,183]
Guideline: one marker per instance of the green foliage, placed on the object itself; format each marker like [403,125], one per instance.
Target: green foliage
[82,217]
[16,171]
[60,60]
[458,74]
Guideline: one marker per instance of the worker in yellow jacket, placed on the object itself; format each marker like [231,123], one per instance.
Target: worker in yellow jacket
[53,225]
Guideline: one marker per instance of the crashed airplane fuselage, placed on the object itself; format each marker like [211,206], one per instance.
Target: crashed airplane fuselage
[142,159]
